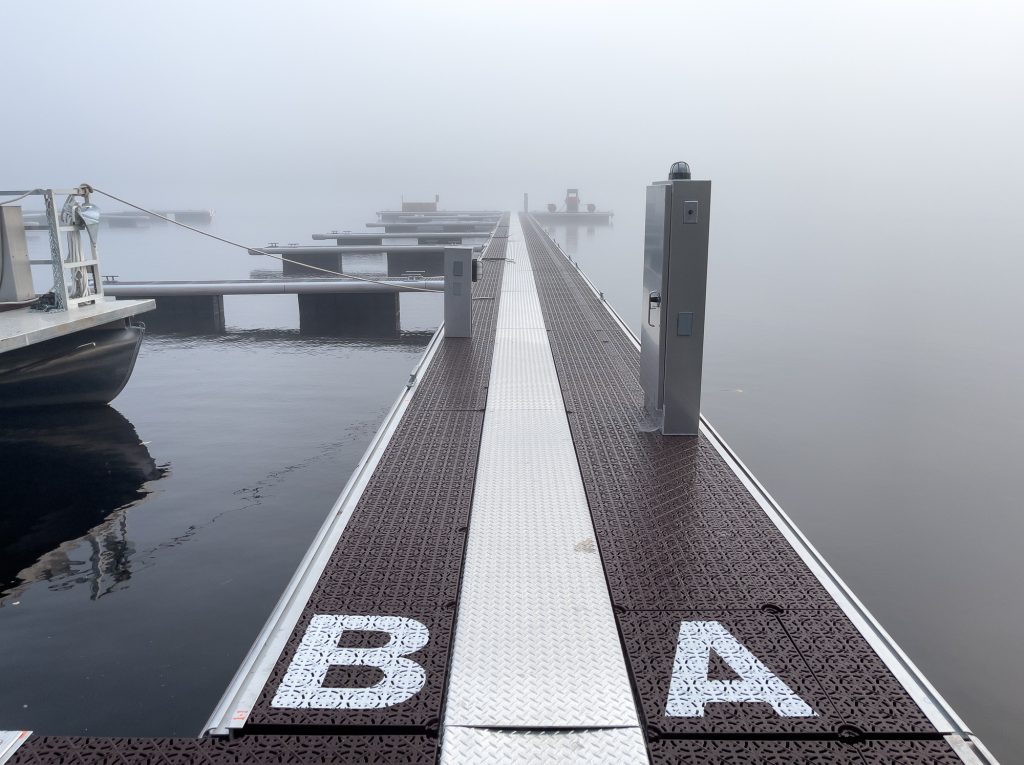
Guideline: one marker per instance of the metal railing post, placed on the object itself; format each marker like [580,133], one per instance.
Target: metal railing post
[60,290]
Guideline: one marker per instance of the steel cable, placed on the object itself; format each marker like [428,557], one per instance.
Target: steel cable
[245,247]
[15,199]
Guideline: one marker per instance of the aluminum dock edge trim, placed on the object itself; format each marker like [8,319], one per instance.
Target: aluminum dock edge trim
[10,740]
[600,296]
[232,711]
[490,238]
[970,750]
[935,707]
[939,713]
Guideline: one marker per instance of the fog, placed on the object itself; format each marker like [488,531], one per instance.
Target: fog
[818,122]
[866,234]
[482,101]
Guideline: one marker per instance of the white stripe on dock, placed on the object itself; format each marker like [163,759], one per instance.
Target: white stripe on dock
[536,646]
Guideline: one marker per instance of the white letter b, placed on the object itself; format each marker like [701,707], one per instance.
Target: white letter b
[302,686]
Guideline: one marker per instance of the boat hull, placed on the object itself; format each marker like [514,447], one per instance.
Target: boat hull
[87,367]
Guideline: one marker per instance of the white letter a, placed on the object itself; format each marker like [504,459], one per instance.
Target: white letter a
[691,688]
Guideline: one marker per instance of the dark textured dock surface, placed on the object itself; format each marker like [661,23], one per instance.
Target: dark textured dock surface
[680,537]
[402,551]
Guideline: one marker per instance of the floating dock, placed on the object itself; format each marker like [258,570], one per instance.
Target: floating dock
[413,227]
[579,218]
[427,259]
[433,214]
[519,571]
[447,237]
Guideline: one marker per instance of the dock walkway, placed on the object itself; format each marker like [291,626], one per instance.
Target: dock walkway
[520,572]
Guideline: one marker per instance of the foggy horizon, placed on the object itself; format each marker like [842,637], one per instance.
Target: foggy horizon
[473,101]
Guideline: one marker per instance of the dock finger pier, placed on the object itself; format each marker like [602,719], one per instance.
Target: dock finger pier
[547,555]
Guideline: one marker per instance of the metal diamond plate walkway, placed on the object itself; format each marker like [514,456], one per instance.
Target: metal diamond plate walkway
[519,572]
[536,647]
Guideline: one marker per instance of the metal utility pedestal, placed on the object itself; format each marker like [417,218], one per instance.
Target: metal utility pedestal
[458,292]
[675,287]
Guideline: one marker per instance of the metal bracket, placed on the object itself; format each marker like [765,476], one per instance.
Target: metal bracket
[653,304]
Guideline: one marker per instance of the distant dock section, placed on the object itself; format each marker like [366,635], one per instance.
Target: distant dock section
[445,237]
[432,226]
[596,218]
[386,216]
[573,212]
[332,300]
[423,211]
[353,307]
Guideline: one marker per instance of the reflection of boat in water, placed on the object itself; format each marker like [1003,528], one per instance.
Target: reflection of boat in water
[68,476]
[88,367]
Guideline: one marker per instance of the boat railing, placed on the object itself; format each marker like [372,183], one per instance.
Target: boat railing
[76,269]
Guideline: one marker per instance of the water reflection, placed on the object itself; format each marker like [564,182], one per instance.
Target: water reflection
[69,477]
[570,234]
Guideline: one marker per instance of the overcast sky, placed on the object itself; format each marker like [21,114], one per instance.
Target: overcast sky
[483,100]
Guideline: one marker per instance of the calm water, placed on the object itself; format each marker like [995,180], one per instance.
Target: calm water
[882,413]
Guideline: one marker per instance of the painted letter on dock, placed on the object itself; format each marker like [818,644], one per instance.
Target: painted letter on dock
[319,651]
[691,687]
